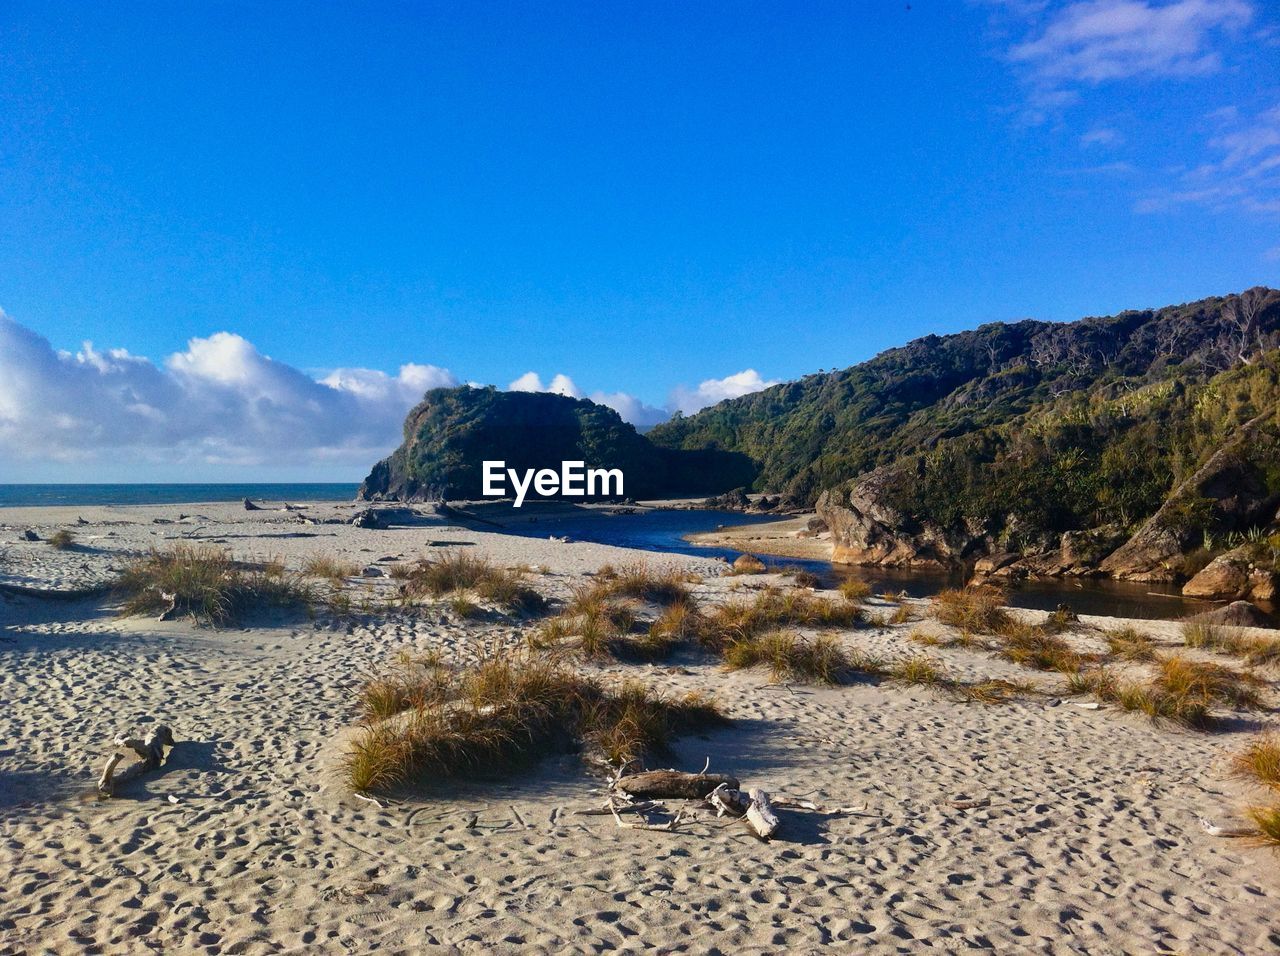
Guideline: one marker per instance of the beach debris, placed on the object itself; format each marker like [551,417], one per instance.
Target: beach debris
[368,518]
[673,784]
[29,535]
[753,807]
[150,753]
[250,506]
[1217,831]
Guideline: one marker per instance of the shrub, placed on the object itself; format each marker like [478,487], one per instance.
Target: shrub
[918,670]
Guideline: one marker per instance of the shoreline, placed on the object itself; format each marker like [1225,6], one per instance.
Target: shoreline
[776,539]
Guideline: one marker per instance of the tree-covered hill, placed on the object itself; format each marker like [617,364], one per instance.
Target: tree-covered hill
[453,431]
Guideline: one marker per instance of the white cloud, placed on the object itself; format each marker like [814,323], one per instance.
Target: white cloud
[1242,173]
[632,409]
[1102,136]
[532,382]
[717,390]
[1094,41]
[220,401]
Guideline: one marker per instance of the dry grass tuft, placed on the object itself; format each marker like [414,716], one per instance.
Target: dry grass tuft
[1256,651]
[1129,644]
[1259,762]
[1266,826]
[979,609]
[644,583]
[458,571]
[918,670]
[62,540]
[506,711]
[771,609]
[205,583]
[330,568]
[854,590]
[1181,691]
[1032,647]
[793,657]
[901,615]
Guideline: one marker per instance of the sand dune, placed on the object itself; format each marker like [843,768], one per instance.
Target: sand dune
[1036,826]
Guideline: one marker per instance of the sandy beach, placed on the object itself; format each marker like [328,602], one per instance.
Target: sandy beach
[784,538]
[1037,825]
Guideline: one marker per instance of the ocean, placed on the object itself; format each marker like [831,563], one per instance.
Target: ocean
[17,496]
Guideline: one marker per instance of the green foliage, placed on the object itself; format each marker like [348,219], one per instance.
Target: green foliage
[453,431]
[1034,426]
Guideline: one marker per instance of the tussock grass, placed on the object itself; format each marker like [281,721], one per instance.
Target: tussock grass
[991,692]
[771,609]
[1129,644]
[1256,651]
[793,657]
[61,540]
[644,583]
[1266,826]
[918,670]
[901,615]
[506,711]
[854,590]
[457,571]
[205,583]
[1181,691]
[330,568]
[979,609]
[1030,646]
[1259,761]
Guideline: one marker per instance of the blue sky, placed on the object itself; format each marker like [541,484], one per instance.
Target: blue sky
[642,198]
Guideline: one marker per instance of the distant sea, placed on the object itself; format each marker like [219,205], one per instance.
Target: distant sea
[18,496]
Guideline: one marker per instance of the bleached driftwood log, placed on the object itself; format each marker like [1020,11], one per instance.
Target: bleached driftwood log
[760,814]
[149,751]
[753,807]
[673,784]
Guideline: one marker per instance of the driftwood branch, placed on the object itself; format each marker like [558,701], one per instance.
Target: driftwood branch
[149,752]
[673,784]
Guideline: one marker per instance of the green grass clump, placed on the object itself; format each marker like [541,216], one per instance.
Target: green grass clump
[62,540]
[506,711]
[918,670]
[204,583]
[1032,647]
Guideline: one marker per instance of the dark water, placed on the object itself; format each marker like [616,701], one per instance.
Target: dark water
[14,496]
[665,530]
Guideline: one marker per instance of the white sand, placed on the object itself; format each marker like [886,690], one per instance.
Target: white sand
[1090,842]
